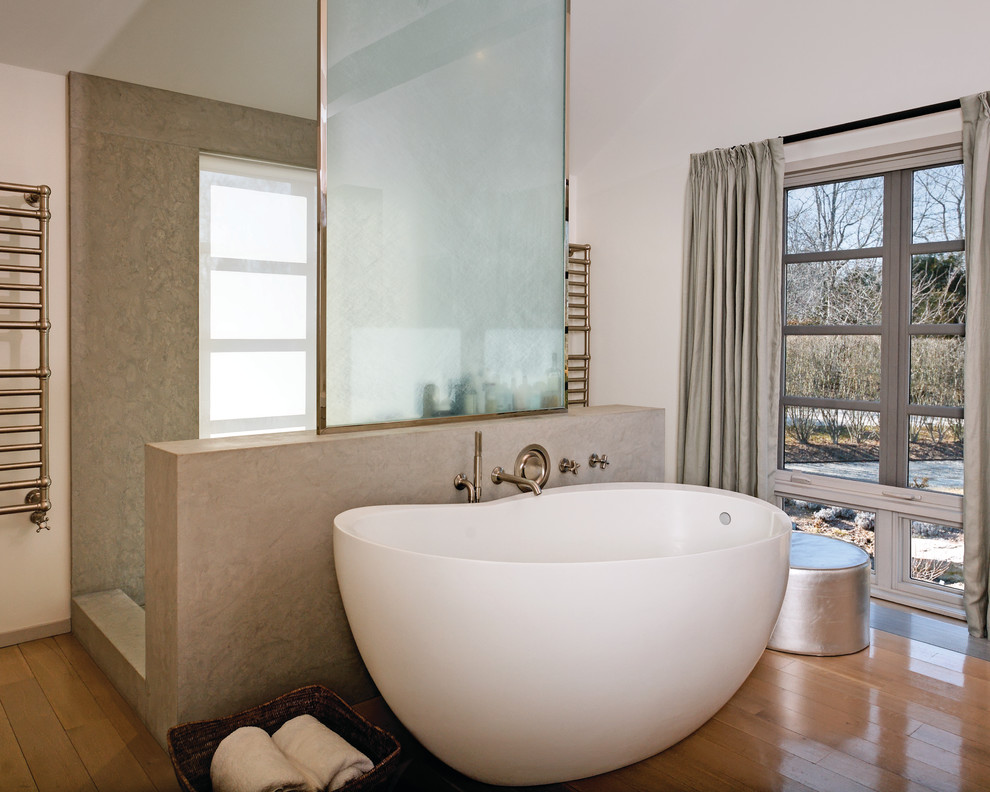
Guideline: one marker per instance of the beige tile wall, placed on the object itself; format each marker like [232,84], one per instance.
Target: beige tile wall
[242,600]
[134,292]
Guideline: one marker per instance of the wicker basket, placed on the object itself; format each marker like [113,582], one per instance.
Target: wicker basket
[192,745]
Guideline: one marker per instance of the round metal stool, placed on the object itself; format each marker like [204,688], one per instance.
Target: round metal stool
[826,608]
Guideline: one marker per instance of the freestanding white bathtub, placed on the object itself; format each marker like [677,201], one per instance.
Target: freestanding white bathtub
[533,640]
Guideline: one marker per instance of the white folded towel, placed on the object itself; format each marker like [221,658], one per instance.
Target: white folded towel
[322,752]
[247,760]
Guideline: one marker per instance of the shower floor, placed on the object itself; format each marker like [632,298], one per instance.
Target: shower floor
[111,627]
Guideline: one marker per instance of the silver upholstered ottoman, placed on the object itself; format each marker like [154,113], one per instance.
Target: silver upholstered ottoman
[826,609]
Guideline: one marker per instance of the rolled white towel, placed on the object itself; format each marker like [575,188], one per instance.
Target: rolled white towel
[247,760]
[321,751]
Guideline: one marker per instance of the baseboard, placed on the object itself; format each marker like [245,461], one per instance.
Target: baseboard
[919,626]
[35,633]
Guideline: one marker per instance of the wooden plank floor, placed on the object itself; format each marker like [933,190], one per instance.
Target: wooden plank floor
[901,715]
[64,727]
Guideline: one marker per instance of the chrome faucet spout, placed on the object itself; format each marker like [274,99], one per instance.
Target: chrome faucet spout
[499,475]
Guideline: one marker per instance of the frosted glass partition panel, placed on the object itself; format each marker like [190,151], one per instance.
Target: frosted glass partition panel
[444,175]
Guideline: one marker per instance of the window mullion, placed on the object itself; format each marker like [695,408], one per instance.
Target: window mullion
[889,457]
[832,255]
[885,549]
[903,308]
[781,410]
[903,364]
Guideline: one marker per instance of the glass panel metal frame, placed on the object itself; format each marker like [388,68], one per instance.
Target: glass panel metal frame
[516,302]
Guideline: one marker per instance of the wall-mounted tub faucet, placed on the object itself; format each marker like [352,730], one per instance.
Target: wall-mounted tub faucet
[499,475]
[532,470]
[473,487]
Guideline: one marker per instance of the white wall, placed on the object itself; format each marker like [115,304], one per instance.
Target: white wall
[34,567]
[653,82]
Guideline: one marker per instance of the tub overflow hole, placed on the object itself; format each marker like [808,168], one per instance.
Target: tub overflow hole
[725,518]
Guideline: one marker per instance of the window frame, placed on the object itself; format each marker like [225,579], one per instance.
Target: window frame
[894,505]
[298,181]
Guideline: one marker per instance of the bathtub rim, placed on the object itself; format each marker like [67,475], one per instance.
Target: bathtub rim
[778,529]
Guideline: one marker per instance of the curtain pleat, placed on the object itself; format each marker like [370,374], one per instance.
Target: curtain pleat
[730,307]
[976,465]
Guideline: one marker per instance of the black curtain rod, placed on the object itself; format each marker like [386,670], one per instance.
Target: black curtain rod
[941,107]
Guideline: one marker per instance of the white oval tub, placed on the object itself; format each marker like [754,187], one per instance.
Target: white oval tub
[532,640]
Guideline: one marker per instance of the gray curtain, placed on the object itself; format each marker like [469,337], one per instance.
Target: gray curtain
[976,473]
[730,309]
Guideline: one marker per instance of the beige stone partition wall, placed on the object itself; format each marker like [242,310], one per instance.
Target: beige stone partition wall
[134,283]
[242,599]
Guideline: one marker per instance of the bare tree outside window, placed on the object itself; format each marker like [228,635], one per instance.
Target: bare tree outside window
[834,320]
[834,292]
[938,205]
[833,367]
[938,288]
[837,216]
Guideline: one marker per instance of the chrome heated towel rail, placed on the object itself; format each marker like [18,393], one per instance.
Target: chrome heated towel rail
[24,220]
[578,324]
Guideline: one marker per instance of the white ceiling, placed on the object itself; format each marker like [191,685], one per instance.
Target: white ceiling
[258,53]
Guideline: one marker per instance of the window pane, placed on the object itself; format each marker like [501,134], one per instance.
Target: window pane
[257,384]
[832,366]
[938,204]
[839,522]
[937,554]
[935,454]
[263,304]
[837,216]
[938,288]
[829,442]
[258,225]
[834,292]
[257,305]
[937,370]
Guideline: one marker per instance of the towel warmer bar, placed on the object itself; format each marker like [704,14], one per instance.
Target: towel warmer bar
[24,391]
[578,324]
